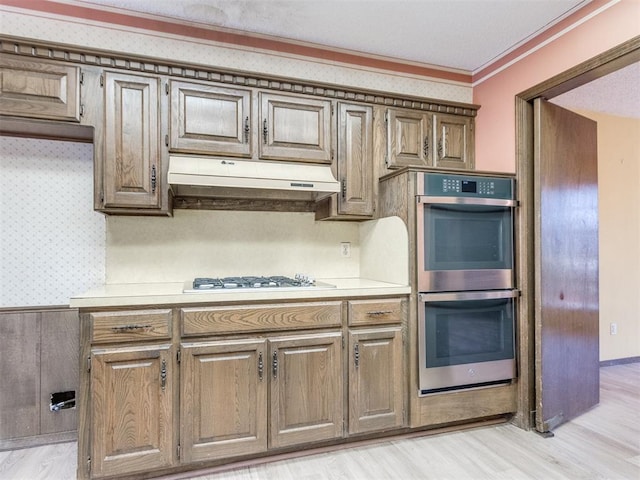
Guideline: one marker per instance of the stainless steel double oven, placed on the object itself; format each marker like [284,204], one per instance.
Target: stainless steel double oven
[466,299]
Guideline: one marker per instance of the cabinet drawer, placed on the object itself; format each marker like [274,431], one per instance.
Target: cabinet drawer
[290,316]
[130,325]
[375,312]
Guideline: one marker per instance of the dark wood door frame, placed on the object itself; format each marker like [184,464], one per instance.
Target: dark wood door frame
[585,72]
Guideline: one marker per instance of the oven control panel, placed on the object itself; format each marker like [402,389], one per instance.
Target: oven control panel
[436,184]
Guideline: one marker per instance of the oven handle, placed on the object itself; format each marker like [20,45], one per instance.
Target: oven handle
[498,202]
[455,296]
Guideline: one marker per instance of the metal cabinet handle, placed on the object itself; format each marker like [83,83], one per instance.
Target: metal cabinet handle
[440,150]
[163,374]
[425,146]
[260,367]
[129,328]
[275,364]
[379,312]
[356,355]
[343,183]
[265,131]
[153,179]
[247,130]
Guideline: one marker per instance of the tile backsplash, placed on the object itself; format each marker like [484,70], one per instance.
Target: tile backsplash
[52,243]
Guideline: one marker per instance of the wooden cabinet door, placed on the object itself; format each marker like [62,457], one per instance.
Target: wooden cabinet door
[132,147]
[294,129]
[210,119]
[454,142]
[131,409]
[39,89]
[355,159]
[306,389]
[223,410]
[409,138]
[376,398]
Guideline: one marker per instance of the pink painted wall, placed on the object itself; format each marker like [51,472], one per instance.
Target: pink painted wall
[495,123]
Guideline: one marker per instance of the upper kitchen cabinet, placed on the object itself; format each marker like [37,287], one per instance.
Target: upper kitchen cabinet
[293,128]
[130,158]
[454,142]
[409,138]
[210,119]
[39,89]
[423,139]
[354,166]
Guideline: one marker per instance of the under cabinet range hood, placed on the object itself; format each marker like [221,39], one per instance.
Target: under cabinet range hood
[235,178]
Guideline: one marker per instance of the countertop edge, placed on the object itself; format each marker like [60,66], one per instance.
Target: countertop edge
[168,294]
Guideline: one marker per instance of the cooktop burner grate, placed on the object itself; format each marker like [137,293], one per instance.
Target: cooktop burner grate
[278,281]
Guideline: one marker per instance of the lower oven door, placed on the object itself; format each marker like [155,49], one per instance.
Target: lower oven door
[466,339]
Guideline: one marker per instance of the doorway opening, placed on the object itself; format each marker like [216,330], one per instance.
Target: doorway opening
[610,61]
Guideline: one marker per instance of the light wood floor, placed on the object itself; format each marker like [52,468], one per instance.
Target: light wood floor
[604,443]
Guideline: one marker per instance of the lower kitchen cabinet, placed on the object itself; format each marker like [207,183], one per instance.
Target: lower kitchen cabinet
[163,389]
[225,410]
[223,396]
[376,397]
[131,409]
[306,388]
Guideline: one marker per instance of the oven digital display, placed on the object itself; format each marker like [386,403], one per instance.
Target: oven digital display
[469,186]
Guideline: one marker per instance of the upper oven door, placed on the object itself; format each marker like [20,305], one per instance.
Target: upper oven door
[464,244]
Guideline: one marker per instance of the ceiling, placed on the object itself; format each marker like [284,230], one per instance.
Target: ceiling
[465,35]
[615,94]
[458,34]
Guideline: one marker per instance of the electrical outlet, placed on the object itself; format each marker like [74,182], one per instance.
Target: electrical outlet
[345,249]
[613,328]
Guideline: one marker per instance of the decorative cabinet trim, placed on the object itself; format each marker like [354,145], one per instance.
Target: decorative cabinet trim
[107,59]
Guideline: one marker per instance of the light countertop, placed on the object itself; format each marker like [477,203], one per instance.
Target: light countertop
[136,294]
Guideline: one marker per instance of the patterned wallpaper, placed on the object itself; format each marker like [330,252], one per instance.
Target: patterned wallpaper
[52,243]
